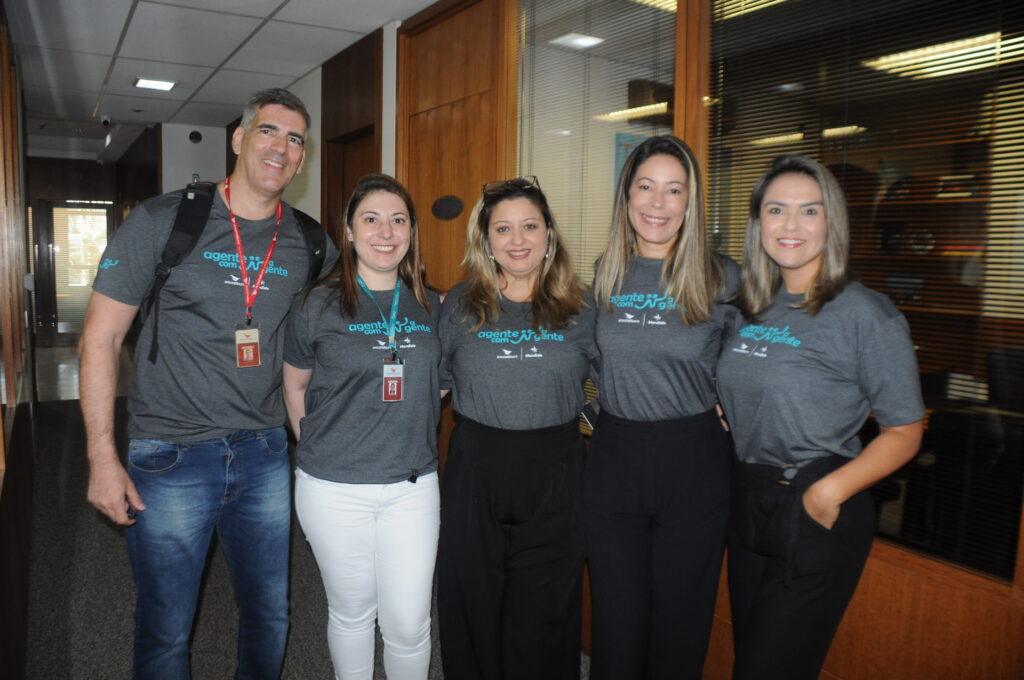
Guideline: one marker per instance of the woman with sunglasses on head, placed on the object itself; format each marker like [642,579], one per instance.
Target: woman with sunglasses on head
[517,340]
[656,487]
[813,355]
[362,392]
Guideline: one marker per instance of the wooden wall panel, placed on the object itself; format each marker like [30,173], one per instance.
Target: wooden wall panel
[138,173]
[439,135]
[455,58]
[62,179]
[351,104]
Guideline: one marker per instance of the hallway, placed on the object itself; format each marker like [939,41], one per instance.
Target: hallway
[81,597]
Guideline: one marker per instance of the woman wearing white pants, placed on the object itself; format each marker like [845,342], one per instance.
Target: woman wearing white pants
[361,388]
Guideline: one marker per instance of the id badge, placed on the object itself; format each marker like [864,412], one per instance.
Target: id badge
[392,388]
[247,347]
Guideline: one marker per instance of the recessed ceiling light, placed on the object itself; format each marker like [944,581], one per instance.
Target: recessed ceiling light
[635,112]
[778,139]
[957,56]
[844,131]
[576,40]
[153,84]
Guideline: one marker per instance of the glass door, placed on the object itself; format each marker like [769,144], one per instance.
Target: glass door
[70,237]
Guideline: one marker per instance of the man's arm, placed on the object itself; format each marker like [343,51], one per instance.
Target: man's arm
[106,323]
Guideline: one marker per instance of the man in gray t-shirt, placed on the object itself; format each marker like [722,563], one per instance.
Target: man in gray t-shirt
[207,447]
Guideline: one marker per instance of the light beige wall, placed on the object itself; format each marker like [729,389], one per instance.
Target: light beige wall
[304,191]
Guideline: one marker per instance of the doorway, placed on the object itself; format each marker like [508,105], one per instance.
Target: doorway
[68,239]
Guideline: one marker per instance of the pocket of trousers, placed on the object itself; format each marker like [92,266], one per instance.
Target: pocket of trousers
[153,456]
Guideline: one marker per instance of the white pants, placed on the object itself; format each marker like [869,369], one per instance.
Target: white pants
[375,545]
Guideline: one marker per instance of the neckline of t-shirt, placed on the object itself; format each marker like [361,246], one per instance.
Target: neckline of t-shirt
[220,208]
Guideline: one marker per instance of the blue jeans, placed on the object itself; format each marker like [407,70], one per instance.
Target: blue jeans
[239,485]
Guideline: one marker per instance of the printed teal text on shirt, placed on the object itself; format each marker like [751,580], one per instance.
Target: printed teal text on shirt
[406,325]
[517,336]
[644,301]
[252,262]
[108,263]
[769,334]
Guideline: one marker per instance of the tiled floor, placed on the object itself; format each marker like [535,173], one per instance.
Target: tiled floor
[57,373]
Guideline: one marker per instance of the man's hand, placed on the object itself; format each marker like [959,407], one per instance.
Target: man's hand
[112,491]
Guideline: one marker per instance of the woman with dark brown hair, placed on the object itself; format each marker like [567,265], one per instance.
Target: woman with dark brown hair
[361,390]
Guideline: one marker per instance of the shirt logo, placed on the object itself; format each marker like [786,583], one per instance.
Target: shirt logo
[252,262]
[108,263]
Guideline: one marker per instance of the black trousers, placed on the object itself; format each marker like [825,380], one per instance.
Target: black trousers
[510,556]
[790,578]
[656,503]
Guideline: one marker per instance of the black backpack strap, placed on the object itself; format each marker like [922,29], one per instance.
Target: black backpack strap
[193,211]
[316,243]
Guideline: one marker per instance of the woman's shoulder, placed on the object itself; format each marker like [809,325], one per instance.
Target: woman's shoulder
[857,302]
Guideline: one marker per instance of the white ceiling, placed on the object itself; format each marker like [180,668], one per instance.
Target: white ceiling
[79,59]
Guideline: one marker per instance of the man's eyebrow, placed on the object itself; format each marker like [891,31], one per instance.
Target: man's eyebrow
[271,126]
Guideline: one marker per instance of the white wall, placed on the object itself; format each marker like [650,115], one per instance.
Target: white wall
[304,191]
[180,158]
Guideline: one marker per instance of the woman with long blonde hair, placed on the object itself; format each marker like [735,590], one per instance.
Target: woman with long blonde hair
[517,342]
[656,487]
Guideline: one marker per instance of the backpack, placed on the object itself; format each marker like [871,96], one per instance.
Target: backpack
[193,212]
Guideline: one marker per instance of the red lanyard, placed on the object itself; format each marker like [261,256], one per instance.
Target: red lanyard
[250,294]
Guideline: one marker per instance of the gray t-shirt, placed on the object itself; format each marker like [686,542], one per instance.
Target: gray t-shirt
[511,376]
[796,387]
[653,366]
[195,390]
[350,434]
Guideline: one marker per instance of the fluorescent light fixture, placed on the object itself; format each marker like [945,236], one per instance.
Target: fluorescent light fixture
[949,58]
[844,131]
[667,5]
[728,9]
[778,139]
[153,84]
[576,40]
[636,112]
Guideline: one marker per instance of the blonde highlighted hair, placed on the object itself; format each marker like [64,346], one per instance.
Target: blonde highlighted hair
[692,274]
[558,294]
[760,278]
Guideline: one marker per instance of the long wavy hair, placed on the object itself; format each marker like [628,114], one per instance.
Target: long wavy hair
[691,273]
[558,294]
[760,278]
[342,277]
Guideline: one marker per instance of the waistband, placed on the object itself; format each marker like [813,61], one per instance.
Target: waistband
[760,475]
[696,422]
[567,429]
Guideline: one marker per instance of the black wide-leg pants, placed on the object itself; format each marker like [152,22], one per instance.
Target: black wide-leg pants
[790,578]
[656,504]
[510,558]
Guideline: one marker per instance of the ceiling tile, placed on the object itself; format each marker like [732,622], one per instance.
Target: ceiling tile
[188,78]
[235,87]
[352,15]
[250,8]
[92,26]
[184,36]
[60,69]
[123,109]
[73,104]
[206,114]
[273,48]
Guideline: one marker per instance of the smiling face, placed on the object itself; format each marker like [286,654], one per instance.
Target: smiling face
[380,234]
[518,237]
[793,228]
[271,150]
[658,197]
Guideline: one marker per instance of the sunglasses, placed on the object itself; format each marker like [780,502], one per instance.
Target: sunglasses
[519,183]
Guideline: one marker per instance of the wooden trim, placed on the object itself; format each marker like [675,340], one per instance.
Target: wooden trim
[507,87]
[948,573]
[692,76]
[435,14]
